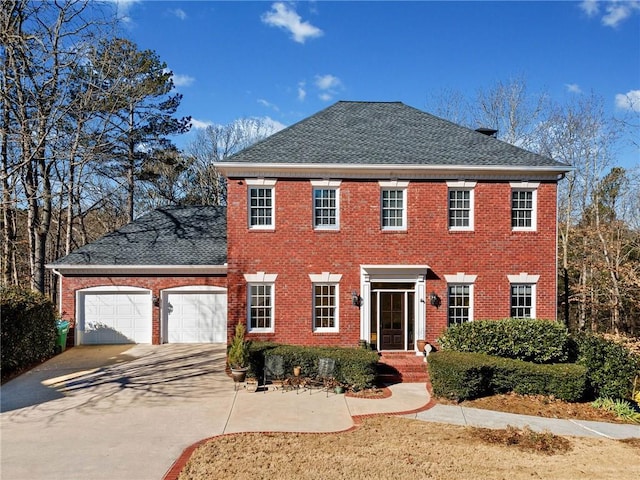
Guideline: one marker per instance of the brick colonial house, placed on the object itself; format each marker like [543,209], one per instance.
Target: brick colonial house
[366,221]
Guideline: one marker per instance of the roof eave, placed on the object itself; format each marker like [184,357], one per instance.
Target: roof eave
[67,269]
[357,171]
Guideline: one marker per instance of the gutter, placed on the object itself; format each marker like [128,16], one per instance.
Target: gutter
[63,270]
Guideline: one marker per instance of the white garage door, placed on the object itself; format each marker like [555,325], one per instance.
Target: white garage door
[109,318]
[196,317]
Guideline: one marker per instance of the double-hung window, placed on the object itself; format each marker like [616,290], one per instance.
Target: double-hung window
[261,204]
[460,298]
[326,204]
[523,295]
[524,206]
[260,302]
[461,210]
[393,205]
[325,302]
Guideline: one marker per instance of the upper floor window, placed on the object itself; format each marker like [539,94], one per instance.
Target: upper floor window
[523,205]
[326,204]
[461,205]
[393,205]
[260,302]
[261,203]
[523,295]
[325,302]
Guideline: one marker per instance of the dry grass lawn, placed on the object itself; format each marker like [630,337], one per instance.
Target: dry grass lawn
[398,448]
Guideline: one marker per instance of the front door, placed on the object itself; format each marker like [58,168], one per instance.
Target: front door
[392,315]
[392,319]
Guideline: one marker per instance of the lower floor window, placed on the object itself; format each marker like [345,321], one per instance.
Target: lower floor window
[522,301]
[261,307]
[325,307]
[459,304]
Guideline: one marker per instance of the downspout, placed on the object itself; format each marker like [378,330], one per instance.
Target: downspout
[57,272]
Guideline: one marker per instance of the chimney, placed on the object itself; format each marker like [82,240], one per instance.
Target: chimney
[490,132]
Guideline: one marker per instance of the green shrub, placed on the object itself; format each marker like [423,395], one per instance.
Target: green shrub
[530,340]
[28,328]
[611,367]
[355,367]
[462,376]
[622,408]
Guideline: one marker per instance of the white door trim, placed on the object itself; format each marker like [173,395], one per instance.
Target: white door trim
[393,273]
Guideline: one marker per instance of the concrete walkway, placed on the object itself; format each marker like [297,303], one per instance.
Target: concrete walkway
[128,412]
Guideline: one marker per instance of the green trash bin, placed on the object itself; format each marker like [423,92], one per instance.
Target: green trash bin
[62,328]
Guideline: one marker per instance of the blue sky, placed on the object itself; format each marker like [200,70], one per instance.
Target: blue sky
[287,60]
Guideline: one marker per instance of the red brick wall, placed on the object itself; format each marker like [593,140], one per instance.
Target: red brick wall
[71,284]
[294,250]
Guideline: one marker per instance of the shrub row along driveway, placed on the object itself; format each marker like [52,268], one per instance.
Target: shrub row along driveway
[109,412]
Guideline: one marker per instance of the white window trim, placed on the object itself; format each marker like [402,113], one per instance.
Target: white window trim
[471,296]
[461,278]
[527,187]
[470,187]
[326,185]
[524,278]
[261,278]
[326,278]
[395,185]
[264,183]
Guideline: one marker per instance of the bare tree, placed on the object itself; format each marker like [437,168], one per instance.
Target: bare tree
[212,145]
[39,44]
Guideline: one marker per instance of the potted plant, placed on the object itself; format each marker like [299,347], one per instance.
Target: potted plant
[238,355]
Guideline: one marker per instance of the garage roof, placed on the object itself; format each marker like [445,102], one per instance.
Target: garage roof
[168,236]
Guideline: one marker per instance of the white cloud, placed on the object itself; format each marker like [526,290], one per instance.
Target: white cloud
[122,9]
[329,85]
[182,80]
[178,12]
[327,82]
[302,93]
[266,103]
[273,125]
[284,16]
[590,7]
[629,100]
[200,124]
[615,11]
[573,88]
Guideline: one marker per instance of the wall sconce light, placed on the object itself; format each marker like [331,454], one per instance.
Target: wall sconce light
[434,299]
[356,300]
[156,301]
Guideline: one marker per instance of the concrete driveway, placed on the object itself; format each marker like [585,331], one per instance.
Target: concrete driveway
[113,412]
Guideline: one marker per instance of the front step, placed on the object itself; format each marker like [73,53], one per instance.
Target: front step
[399,367]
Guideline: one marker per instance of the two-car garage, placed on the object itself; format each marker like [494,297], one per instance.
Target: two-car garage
[113,315]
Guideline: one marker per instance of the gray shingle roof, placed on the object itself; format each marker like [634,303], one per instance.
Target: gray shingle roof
[384,133]
[166,236]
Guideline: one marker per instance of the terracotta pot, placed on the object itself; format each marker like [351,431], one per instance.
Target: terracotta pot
[421,344]
[296,371]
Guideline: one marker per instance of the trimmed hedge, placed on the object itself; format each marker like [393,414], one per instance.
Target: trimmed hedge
[28,328]
[530,340]
[355,367]
[461,376]
[611,367]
